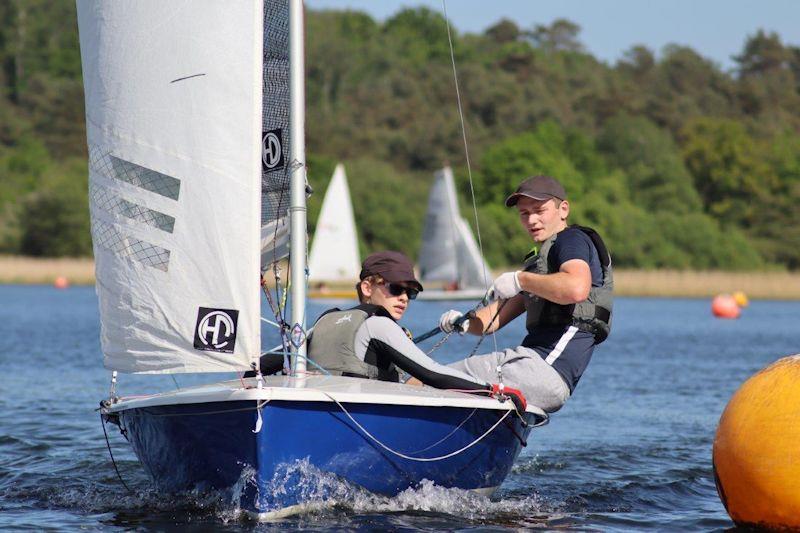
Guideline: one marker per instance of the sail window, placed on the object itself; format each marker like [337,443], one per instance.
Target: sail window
[108,237]
[276,165]
[150,180]
[111,203]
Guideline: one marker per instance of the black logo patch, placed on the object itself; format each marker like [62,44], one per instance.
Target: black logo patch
[215,330]
[272,150]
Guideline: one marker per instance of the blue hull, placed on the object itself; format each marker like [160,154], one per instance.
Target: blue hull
[211,446]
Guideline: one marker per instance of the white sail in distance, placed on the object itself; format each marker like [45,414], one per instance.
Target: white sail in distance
[449,253]
[174,129]
[334,252]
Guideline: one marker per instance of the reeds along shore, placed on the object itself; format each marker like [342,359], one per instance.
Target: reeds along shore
[669,283]
[703,284]
[34,270]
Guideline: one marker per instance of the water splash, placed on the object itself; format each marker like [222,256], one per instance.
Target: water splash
[302,493]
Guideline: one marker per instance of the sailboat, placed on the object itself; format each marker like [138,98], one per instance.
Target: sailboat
[195,128]
[334,257]
[450,263]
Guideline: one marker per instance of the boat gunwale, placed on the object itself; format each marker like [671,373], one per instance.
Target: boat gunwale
[329,389]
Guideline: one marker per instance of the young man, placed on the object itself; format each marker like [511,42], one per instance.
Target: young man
[565,287]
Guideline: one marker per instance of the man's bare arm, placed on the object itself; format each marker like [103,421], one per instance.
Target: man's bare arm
[571,284]
[511,310]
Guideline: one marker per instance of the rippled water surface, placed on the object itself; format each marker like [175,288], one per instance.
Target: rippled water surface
[630,450]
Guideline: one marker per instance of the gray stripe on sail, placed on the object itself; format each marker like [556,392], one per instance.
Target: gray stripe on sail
[113,167]
[111,203]
[108,237]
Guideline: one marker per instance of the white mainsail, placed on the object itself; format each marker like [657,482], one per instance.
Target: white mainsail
[334,252]
[449,252]
[174,128]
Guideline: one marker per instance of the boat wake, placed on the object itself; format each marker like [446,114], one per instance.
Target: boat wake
[328,501]
[326,496]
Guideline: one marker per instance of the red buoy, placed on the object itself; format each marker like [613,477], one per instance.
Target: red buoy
[725,306]
[61,282]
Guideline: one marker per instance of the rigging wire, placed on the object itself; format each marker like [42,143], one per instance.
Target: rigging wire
[270,322]
[464,138]
[469,166]
[281,322]
[483,334]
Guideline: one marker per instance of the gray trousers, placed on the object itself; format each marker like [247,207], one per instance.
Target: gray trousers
[522,369]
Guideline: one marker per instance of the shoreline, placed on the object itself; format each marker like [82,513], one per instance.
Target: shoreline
[19,270]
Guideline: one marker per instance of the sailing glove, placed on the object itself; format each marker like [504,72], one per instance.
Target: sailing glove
[506,286]
[446,322]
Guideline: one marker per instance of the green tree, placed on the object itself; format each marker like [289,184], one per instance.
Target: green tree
[55,218]
[656,175]
[507,163]
[686,86]
[561,35]
[504,31]
[729,172]
[704,244]
[768,85]
[777,228]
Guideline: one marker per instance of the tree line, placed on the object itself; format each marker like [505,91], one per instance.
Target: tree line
[677,162]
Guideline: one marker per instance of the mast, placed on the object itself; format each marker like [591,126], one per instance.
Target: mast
[297,169]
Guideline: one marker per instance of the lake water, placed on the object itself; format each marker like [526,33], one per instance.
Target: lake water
[630,450]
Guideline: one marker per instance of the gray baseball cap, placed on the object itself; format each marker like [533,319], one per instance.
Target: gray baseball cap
[538,188]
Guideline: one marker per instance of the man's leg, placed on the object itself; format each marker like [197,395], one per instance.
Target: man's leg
[524,369]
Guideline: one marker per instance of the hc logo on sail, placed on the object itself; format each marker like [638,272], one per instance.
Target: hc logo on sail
[272,150]
[215,330]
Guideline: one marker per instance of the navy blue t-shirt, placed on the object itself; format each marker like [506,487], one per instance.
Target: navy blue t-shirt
[567,350]
[570,244]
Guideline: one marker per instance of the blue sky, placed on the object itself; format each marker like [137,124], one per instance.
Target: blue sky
[715,28]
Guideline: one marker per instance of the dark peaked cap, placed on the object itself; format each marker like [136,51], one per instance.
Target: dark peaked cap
[392,266]
[538,188]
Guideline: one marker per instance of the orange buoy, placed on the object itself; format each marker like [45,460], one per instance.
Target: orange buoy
[61,282]
[756,457]
[741,299]
[725,306]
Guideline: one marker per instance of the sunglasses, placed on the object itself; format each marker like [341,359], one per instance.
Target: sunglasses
[395,289]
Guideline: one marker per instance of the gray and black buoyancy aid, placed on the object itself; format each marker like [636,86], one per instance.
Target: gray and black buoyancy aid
[593,314]
[332,344]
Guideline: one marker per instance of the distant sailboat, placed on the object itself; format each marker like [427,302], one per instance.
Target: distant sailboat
[334,253]
[449,256]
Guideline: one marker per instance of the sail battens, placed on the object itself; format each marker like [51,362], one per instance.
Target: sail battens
[104,199]
[127,246]
[113,167]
